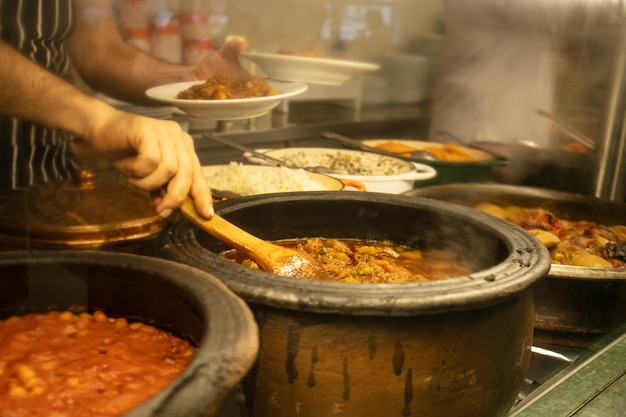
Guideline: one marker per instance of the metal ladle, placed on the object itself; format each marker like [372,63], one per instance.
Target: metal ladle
[418,154]
[272,258]
[568,129]
[267,158]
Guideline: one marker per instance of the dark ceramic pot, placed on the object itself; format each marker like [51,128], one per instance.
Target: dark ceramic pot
[187,302]
[575,306]
[459,346]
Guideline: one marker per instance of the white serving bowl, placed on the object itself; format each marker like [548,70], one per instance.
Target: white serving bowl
[247,180]
[231,109]
[313,70]
[402,179]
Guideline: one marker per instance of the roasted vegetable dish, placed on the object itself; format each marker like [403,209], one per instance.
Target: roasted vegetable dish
[577,243]
[221,87]
[369,261]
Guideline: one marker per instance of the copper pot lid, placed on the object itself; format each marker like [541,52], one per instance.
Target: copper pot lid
[79,211]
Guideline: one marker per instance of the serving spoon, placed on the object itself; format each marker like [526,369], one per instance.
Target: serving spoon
[418,154]
[568,129]
[272,258]
[267,158]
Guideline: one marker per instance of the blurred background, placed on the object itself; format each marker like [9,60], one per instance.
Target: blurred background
[524,79]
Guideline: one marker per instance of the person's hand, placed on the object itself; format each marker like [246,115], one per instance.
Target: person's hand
[156,156]
[223,61]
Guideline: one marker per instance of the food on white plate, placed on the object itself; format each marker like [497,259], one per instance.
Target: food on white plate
[226,109]
[338,162]
[221,87]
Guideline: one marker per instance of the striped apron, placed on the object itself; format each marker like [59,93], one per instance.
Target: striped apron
[29,153]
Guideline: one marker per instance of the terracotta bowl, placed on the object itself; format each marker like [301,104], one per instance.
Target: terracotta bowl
[187,302]
[458,346]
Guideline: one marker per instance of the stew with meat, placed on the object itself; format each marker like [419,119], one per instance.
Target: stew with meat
[370,261]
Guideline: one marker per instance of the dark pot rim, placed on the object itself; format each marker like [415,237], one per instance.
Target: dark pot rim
[207,380]
[527,263]
[570,272]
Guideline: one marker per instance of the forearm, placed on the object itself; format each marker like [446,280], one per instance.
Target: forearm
[32,93]
[110,65]
[129,75]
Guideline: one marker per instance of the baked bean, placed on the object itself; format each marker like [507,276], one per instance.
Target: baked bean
[61,363]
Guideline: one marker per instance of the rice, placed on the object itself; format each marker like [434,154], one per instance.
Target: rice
[237,178]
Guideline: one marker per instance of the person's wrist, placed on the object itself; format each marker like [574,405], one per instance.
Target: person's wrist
[95,116]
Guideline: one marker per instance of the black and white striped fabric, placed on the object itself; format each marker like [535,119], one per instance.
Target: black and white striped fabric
[29,153]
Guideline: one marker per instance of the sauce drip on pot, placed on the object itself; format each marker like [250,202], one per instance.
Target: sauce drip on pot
[369,261]
[84,365]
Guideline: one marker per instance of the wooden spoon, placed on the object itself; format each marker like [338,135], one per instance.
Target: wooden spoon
[272,258]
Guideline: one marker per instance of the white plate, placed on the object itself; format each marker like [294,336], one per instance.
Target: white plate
[306,69]
[391,184]
[231,109]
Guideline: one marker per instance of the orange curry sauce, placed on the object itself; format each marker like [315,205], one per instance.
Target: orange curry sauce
[63,364]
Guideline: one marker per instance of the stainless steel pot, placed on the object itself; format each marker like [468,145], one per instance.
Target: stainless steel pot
[187,302]
[574,305]
[554,168]
[459,346]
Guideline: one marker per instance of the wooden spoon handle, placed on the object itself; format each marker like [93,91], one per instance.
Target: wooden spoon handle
[224,230]
[270,257]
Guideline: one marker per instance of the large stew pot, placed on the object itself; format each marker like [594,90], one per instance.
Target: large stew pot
[574,305]
[453,347]
[187,302]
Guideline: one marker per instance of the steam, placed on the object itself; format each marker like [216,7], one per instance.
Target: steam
[502,61]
